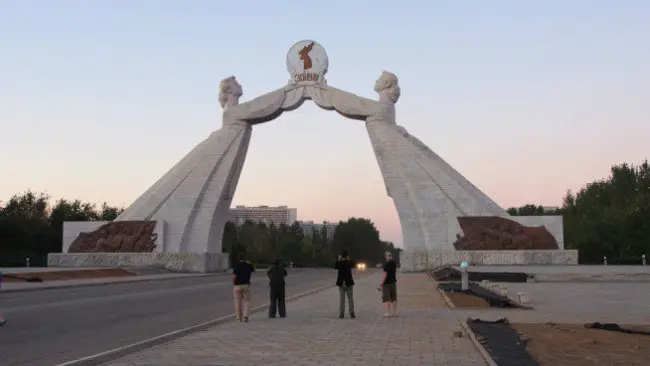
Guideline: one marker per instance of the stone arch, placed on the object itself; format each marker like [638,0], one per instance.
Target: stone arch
[190,202]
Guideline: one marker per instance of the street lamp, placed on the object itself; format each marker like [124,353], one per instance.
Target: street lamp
[464,277]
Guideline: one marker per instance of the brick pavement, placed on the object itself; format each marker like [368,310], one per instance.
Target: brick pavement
[312,334]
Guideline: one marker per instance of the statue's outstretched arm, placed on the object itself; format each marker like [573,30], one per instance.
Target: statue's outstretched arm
[351,105]
[261,109]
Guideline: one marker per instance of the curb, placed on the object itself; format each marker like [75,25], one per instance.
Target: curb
[104,283]
[486,355]
[477,344]
[448,301]
[111,355]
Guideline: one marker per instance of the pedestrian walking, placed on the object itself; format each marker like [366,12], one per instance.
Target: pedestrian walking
[241,279]
[345,283]
[389,286]
[276,274]
[2,318]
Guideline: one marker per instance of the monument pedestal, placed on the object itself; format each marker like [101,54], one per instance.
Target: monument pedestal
[423,260]
[177,262]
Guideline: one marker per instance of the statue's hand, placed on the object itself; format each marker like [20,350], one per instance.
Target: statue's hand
[351,105]
[261,109]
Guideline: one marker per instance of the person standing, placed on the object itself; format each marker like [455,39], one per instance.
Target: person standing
[2,319]
[345,283]
[276,274]
[241,279]
[389,286]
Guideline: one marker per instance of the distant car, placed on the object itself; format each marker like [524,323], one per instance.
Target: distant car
[361,266]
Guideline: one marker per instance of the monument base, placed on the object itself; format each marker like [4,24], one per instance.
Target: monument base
[422,260]
[178,262]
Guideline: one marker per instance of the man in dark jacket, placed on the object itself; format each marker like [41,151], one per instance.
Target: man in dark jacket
[345,282]
[276,274]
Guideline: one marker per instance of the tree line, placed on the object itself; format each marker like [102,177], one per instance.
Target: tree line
[31,228]
[609,218]
[264,243]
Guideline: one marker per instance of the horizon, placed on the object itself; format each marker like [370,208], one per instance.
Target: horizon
[526,101]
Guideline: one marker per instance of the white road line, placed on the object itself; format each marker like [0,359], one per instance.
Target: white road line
[113,354]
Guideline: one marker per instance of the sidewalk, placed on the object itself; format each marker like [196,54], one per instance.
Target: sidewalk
[312,334]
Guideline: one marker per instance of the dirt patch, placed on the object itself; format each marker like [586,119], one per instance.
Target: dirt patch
[466,300]
[452,274]
[575,345]
[476,291]
[67,275]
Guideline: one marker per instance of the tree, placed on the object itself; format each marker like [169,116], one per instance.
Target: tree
[230,237]
[323,246]
[528,210]
[109,213]
[291,244]
[610,217]
[28,206]
[30,228]
[361,238]
[274,240]
[308,248]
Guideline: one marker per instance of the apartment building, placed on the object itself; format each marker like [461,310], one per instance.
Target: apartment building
[550,208]
[308,227]
[266,214]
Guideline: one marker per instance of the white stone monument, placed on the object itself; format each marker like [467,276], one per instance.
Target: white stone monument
[191,201]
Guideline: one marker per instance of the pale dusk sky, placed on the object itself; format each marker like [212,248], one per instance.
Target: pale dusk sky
[526,99]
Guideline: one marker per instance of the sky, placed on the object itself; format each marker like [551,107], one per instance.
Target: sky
[526,99]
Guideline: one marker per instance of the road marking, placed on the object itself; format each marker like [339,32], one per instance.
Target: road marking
[108,356]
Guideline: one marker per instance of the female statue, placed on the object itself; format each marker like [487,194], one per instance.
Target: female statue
[194,221]
[428,193]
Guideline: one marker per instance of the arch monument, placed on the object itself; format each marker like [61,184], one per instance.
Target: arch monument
[178,222]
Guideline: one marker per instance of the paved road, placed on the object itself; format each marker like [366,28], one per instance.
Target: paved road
[49,327]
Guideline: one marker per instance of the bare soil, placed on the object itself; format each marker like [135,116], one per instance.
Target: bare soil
[69,275]
[464,300]
[574,345]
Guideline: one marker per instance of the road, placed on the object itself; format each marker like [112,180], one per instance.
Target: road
[49,327]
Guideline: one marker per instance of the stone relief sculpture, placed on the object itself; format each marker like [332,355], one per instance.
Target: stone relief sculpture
[122,236]
[498,233]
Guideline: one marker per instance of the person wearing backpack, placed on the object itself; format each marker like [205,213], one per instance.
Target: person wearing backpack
[276,274]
